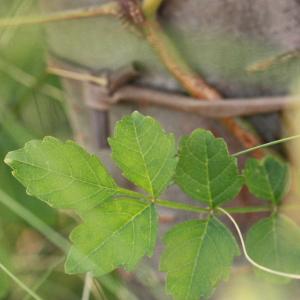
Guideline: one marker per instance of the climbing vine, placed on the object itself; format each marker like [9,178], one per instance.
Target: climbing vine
[119,226]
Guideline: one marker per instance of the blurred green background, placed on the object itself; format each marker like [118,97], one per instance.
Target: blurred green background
[32,106]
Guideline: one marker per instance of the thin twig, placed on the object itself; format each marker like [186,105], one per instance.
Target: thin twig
[141,95]
[109,9]
[275,60]
[214,109]
[165,49]
[191,81]
[86,77]
[176,64]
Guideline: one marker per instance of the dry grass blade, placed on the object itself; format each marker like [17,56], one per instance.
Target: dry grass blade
[275,60]
[191,81]
[109,9]
[28,80]
[102,81]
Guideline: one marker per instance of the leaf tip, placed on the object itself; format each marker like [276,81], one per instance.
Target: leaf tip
[29,193]
[49,138]
[8,160]
[136,113]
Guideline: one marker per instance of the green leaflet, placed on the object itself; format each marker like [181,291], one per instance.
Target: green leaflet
[274,242]
[61,174]
[117,233]
[144,152]
[198,255]
[267,179]
[205,170]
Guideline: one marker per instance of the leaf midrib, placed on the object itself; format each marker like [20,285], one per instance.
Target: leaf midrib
[196,260]
[67,175]
[275,242]
[143,159]
[269,185]
[106,240]
[208,174]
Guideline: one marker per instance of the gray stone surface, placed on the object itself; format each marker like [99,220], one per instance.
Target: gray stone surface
[219,38]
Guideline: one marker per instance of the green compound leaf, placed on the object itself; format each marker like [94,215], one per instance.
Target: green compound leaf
[274,242]
[61,174]
[117,233]
[144,152]
[267,178]
[198,254]
[205,170]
